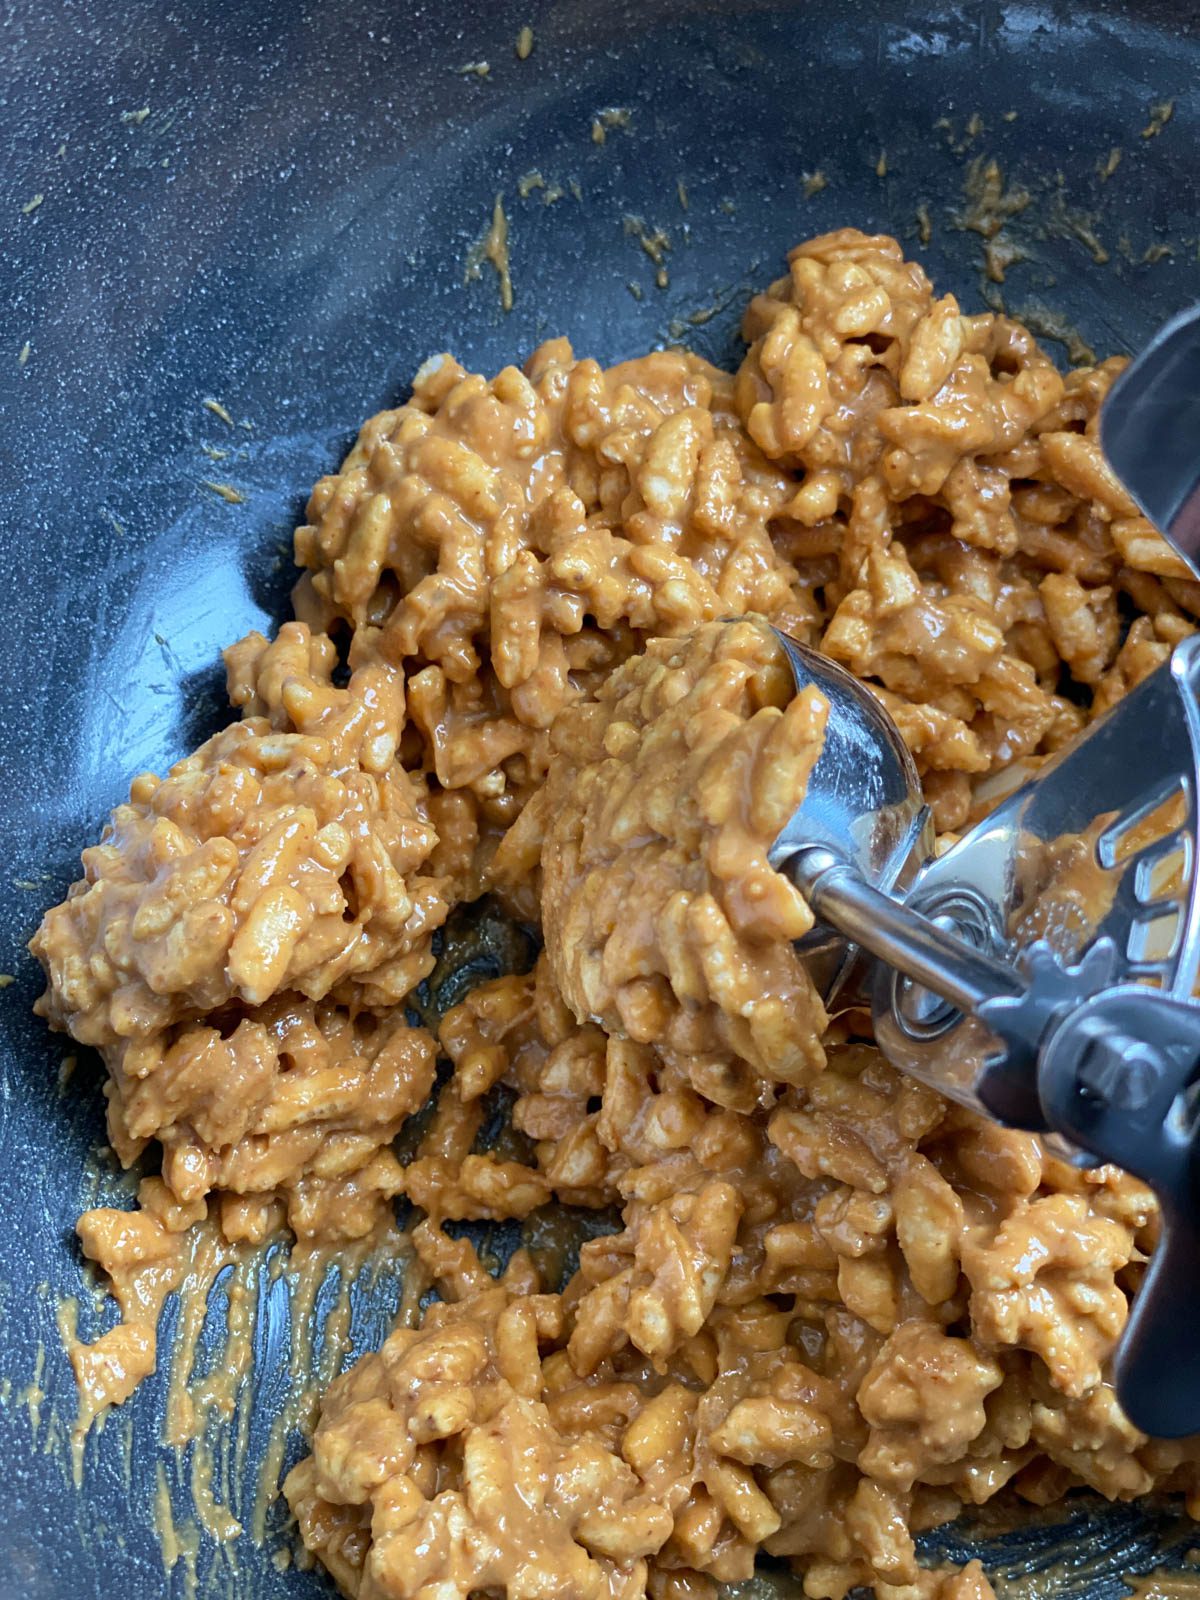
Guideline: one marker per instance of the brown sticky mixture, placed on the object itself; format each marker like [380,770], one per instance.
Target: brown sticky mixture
[280,1115]
[954,504]
[471,1480]
[513,540]
[293,1101]
[836,1309]
[284,854]
[819,1329]
[662,918]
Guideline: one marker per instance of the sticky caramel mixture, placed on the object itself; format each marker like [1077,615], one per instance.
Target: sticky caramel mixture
[662,918]
[837,1308]
[283,854]
[513,540]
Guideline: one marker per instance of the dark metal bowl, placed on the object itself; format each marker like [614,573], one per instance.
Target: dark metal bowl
[271,206]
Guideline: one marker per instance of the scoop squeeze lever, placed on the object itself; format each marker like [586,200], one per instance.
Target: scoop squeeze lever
[1043,969]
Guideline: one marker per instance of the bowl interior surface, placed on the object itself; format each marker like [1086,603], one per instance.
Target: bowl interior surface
[273,208]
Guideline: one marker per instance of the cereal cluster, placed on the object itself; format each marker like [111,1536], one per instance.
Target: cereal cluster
[836,1308]
[512,541]
[285,854]
[663,920]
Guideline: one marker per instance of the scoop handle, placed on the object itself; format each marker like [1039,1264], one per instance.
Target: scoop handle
[925,950]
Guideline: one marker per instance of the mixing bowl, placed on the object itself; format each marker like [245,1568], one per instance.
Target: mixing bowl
[230,233]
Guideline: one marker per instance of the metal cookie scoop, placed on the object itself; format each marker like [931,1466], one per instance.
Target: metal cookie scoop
[1150,430]
[1043,969]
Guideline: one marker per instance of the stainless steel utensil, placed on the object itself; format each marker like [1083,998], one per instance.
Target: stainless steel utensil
[1042,971]
[1150,430]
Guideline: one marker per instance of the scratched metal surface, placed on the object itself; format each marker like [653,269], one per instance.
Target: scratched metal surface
[285,231]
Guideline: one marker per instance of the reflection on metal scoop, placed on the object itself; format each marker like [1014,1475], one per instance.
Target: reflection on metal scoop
[1043,970]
